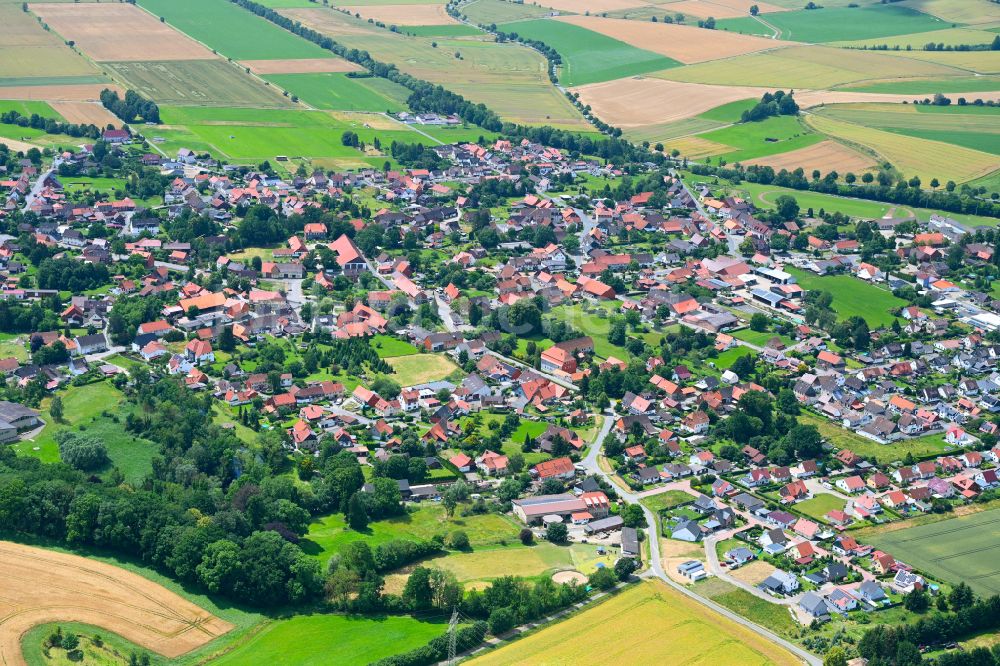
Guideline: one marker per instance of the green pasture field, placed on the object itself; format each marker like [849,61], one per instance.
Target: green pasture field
[975,127]
[771,616]
[6,81]
[485,12]
[842,438]
[83,412]
[450,30]
[812,67]
[587,56]
[928,86]
[287,4]
[387,346]
[666,500]
[26,108]
[764,196]
[836,24]
[421,368]
[232,31]
[745,25]
[348,640]
[255,134]
[772,136]
[852,297]
[338,92]
[509,78]
[947,36]
[329,534]
[959,549]
[196,82]
[819,506]
[712,119]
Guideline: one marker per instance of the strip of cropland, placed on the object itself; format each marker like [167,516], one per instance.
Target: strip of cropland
[510,79]
[588,56]
[31,55]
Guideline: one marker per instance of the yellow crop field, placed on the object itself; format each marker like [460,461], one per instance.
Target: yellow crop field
[906,117]
[980,62]
[649,623]
[695,147]
[948,37]
[825,156]
[913,156]
[28,50]
[969,12]
[813,67]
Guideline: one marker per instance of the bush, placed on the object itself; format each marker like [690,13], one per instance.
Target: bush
[603,579]
[556,532]
[526,536]
[81,451]
[458,540]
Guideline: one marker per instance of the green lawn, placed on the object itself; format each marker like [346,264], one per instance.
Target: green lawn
[325,638]
[327,535]
[387,346]
[595,325]
[232,31]
[83,408]
[725,360]
[587,56]
[852,297]
[760,338]
[421,368]
[819,506]
[338,92]
[14,345]
[834,24]
[666,500]
[932,445]
[764,196]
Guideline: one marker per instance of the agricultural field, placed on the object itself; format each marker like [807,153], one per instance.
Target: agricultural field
[404,14]
[836,24]
[587,56]
[947,36]
[959,11]
[683,43]
[300,66]
[757,610]
[420,368]
[509,78]
[623,626]
[234,32]
[30,55]
[811,67]
[719,9]
[772,136]
[485,12]
[973,127]
[542,558]
[959,549]
[95,28]
[83,113]
[987,86]
[339,92]
[449,30]
[50,91]
[852,297]
[825,156]
[43,586]
[979,62]
[197,82]
[764,196]
[912,156]
[310,640]
[251,135]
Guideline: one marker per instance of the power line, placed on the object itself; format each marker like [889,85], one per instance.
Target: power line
[452,636]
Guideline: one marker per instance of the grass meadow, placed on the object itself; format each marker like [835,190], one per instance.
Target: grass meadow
[772,136]
[835,24]
[883,453]
[852,297]
[631,627]
[959,549]
[590,57]
[820,505]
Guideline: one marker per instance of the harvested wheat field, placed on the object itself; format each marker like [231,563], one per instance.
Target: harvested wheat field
[300,66]
[428,14]
[119,32]
[684,43]
[592,6]
[695,147]
[637,101]
[16,145]
[810,98]
[719,9]
[76,92]
[42,586]
[327,21]
[646,623]
[86,113]
[826,156]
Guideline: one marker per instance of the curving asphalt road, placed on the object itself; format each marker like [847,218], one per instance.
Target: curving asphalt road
[655,564]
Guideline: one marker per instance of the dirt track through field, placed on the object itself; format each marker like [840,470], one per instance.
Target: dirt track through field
[119,32]
[684,43]
[42,586]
